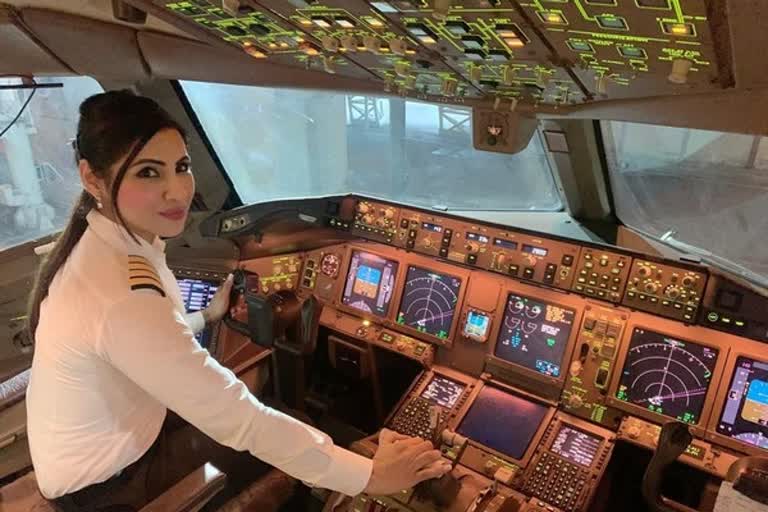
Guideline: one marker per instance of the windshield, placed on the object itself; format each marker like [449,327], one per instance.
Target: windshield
[39,180]
[701,188]
[284,143]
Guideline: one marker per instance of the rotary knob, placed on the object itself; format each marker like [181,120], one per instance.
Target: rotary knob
[673,292]
[369,219]
[651,288]
[428,243]
[363,208]
[688,281]
[389,213]
[576,368]
[644,271]
[575,401]
[472,247]
[634,432]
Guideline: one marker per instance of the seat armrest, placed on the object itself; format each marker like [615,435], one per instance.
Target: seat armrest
[191,493]
[13,389]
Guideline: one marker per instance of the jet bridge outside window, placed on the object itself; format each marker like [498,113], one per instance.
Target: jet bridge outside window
[703,188]
[39,180]
[285,143]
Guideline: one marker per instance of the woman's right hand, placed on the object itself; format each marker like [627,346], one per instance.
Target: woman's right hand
[402,462]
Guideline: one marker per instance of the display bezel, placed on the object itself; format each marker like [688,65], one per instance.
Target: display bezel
[686,333]
[537,436]
[534,378]
[445,270]
[719,403]
[342,282]
[216,277]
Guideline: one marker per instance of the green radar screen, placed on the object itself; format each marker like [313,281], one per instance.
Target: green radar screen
[429,301]
[667,376]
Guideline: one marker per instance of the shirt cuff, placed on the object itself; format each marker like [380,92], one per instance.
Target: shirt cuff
[347,473]
[195,321]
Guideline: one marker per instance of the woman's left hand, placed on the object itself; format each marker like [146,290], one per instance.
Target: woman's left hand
[220,303]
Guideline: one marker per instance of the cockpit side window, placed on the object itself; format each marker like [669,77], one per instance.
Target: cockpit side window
[285,143]
[702,188]
[39,181]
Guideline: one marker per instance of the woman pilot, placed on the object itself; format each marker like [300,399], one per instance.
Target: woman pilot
[114,350]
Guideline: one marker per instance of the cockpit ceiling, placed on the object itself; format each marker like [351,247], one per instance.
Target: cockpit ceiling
[562,52]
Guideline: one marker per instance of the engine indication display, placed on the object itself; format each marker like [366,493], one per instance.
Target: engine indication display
[666,375]
[370,283]
[443,391]
[492,408]
[745,413]
[534,334]
[429,301]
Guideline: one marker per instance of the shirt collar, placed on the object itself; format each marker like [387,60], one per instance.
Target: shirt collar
[117,236]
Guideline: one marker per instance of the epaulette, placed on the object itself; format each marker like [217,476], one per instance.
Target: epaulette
[142,275]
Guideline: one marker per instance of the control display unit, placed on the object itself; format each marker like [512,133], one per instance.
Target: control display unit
[197,294]
[429,301]
[667,376]
[443,391]
[576,446]
[745,413]
[534,334]
[370,283]
[503,422]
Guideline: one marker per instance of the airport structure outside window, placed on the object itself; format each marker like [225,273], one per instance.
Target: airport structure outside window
[39,180]
[285,143]
[703,188]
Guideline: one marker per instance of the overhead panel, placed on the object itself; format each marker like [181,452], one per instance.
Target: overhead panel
[552,52]
[627,48]
[264,35]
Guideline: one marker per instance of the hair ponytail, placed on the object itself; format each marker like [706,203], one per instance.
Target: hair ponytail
[56,258]
[112,125]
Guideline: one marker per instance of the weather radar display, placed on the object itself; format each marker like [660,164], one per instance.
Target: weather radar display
[370,283]
[745,413]
[429,301]
[666,375]
[534,334]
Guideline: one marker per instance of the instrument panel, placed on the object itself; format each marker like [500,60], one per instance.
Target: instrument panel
[566,371]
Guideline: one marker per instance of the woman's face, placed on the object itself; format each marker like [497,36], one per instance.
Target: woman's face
[157,188]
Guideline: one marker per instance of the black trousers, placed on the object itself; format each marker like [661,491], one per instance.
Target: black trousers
[178,450]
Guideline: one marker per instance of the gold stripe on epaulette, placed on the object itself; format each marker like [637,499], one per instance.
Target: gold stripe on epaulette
[143,276]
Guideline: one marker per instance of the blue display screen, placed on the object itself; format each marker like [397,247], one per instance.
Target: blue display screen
[197,294]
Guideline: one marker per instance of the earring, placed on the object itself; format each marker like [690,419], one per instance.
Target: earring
[99,205]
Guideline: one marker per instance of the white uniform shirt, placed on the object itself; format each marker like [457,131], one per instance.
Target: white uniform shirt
[114,348]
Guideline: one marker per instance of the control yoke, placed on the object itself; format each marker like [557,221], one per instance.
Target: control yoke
[673,441]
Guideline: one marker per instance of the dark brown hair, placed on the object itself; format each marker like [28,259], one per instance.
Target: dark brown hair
[112,125]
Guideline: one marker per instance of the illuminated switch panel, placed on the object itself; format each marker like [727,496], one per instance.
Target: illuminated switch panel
[375,221]
[665,290]
[601,274]
[592,365]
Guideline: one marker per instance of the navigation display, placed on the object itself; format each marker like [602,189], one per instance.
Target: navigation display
[534,334]
[429,301]
[666,375]
[197,294]
[503,422]
[443,391]
[745,414]
[370,283]
[576,446]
